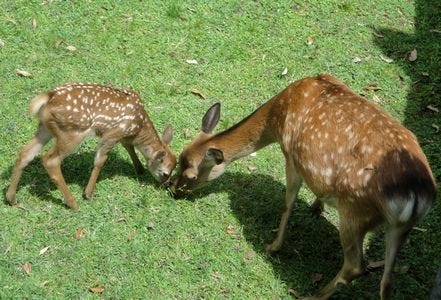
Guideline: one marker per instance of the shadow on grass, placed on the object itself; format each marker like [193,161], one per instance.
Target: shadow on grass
[424,258]
[76,169]
[311,254]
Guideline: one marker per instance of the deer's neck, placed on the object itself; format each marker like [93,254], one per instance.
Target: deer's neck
[148,142]
[249,135]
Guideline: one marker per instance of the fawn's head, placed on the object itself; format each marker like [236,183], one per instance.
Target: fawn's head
[200,161]
[164,161]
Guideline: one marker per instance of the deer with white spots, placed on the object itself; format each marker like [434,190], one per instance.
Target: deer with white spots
[351,154]
[74,111]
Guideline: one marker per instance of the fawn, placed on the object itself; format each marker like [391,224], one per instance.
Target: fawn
[351,154]
[74,111]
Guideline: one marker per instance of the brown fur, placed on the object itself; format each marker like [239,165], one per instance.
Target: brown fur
[351,154]
[72,112]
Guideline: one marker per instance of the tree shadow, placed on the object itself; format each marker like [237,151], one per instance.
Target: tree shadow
[76,170]
[311,247]
[311,254]
[425,73]
[422,256]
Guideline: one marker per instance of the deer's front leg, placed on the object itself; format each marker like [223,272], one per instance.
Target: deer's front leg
[100,158]
[135,160]
[293,183]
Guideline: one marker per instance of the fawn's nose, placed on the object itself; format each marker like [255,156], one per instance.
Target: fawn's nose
[165,174]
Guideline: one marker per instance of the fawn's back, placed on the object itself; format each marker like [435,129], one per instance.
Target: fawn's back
[96,107]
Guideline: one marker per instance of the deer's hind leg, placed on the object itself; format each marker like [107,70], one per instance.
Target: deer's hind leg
[65,143]
[27,154]
[395,236]
[352,231]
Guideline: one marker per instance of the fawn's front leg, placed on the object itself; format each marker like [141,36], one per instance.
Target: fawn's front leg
[107,143]
[135,160]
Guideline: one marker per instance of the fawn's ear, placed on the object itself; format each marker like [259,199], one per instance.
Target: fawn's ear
[167,135]
[211,117]
[216,155]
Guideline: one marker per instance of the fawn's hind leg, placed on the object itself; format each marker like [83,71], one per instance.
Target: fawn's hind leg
[65,143]
[27,154]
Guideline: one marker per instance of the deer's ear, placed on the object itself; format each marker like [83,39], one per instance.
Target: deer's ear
[216,155]
[167,135]
[211,117]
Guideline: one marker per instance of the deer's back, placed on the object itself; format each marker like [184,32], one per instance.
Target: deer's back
[346,146]
[100,108]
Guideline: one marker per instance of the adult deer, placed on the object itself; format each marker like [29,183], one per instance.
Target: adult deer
[71,112]
[351,154]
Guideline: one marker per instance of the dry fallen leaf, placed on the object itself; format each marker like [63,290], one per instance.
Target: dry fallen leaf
[294,293]
[150,225]
[357,60]
[215,275]
[197,93]
[254,154]
[44,283]
[43,251]
[186,132]
[377,34]
[27,267]
[23,73]
[250,255]
[79,233]
[435,30]
[192,61]
[375,264]
[436,128]
[376,99]
[97,289]
[401,268]
[317,277]
[8,249]
[386,59]
[252,168]
[34,23]
[413,55]
[372,88]
[132,235]
[71,48]
[309,41]
[285,71]
[433,108]
[419,229]
[425,74]
[231,231]
[2,43]
[58,43]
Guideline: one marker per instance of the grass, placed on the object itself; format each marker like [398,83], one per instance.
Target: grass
[137,242]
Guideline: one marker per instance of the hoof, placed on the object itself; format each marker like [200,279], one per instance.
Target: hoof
[11,199]
[87,196]
[272,249]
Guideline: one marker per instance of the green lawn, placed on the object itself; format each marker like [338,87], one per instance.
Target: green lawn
[133,240]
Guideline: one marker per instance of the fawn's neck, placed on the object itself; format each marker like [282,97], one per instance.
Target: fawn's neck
[147,141]
[249,135]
